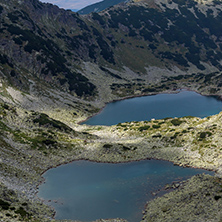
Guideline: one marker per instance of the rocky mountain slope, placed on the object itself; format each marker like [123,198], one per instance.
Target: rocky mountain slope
[57,68]
[59,48]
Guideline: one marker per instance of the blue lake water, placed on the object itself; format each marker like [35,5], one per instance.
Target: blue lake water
[184,103]
[88,191]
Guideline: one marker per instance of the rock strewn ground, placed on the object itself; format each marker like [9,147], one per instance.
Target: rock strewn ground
[32,142]
[198,199]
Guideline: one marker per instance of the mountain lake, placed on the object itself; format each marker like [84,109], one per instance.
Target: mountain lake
[86,191]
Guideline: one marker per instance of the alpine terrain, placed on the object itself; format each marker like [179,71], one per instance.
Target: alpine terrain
[58,68]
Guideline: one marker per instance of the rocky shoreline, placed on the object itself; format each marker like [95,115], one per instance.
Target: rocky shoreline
[38,142]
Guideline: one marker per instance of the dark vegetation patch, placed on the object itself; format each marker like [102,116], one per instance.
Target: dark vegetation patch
[4,205]
[35,42]
[106,51]
[174,136]
[107,146]
[178,58]
[45,120]
[157,136]
[150,90]
[80,84]
[142,128]
[203,135]
[5,61]
[22,212]
[1,9]
[121,125]
[54,61]
[156,126]
[5,106]
[176,122]
[157,88]
[125,88]
[13,73]
[126,148]
[16,15]
[97,17]
[43,142]
[217,197]
[119,85]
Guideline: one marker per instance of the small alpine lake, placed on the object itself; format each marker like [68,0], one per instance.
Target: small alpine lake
[183,103]
[87,191]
